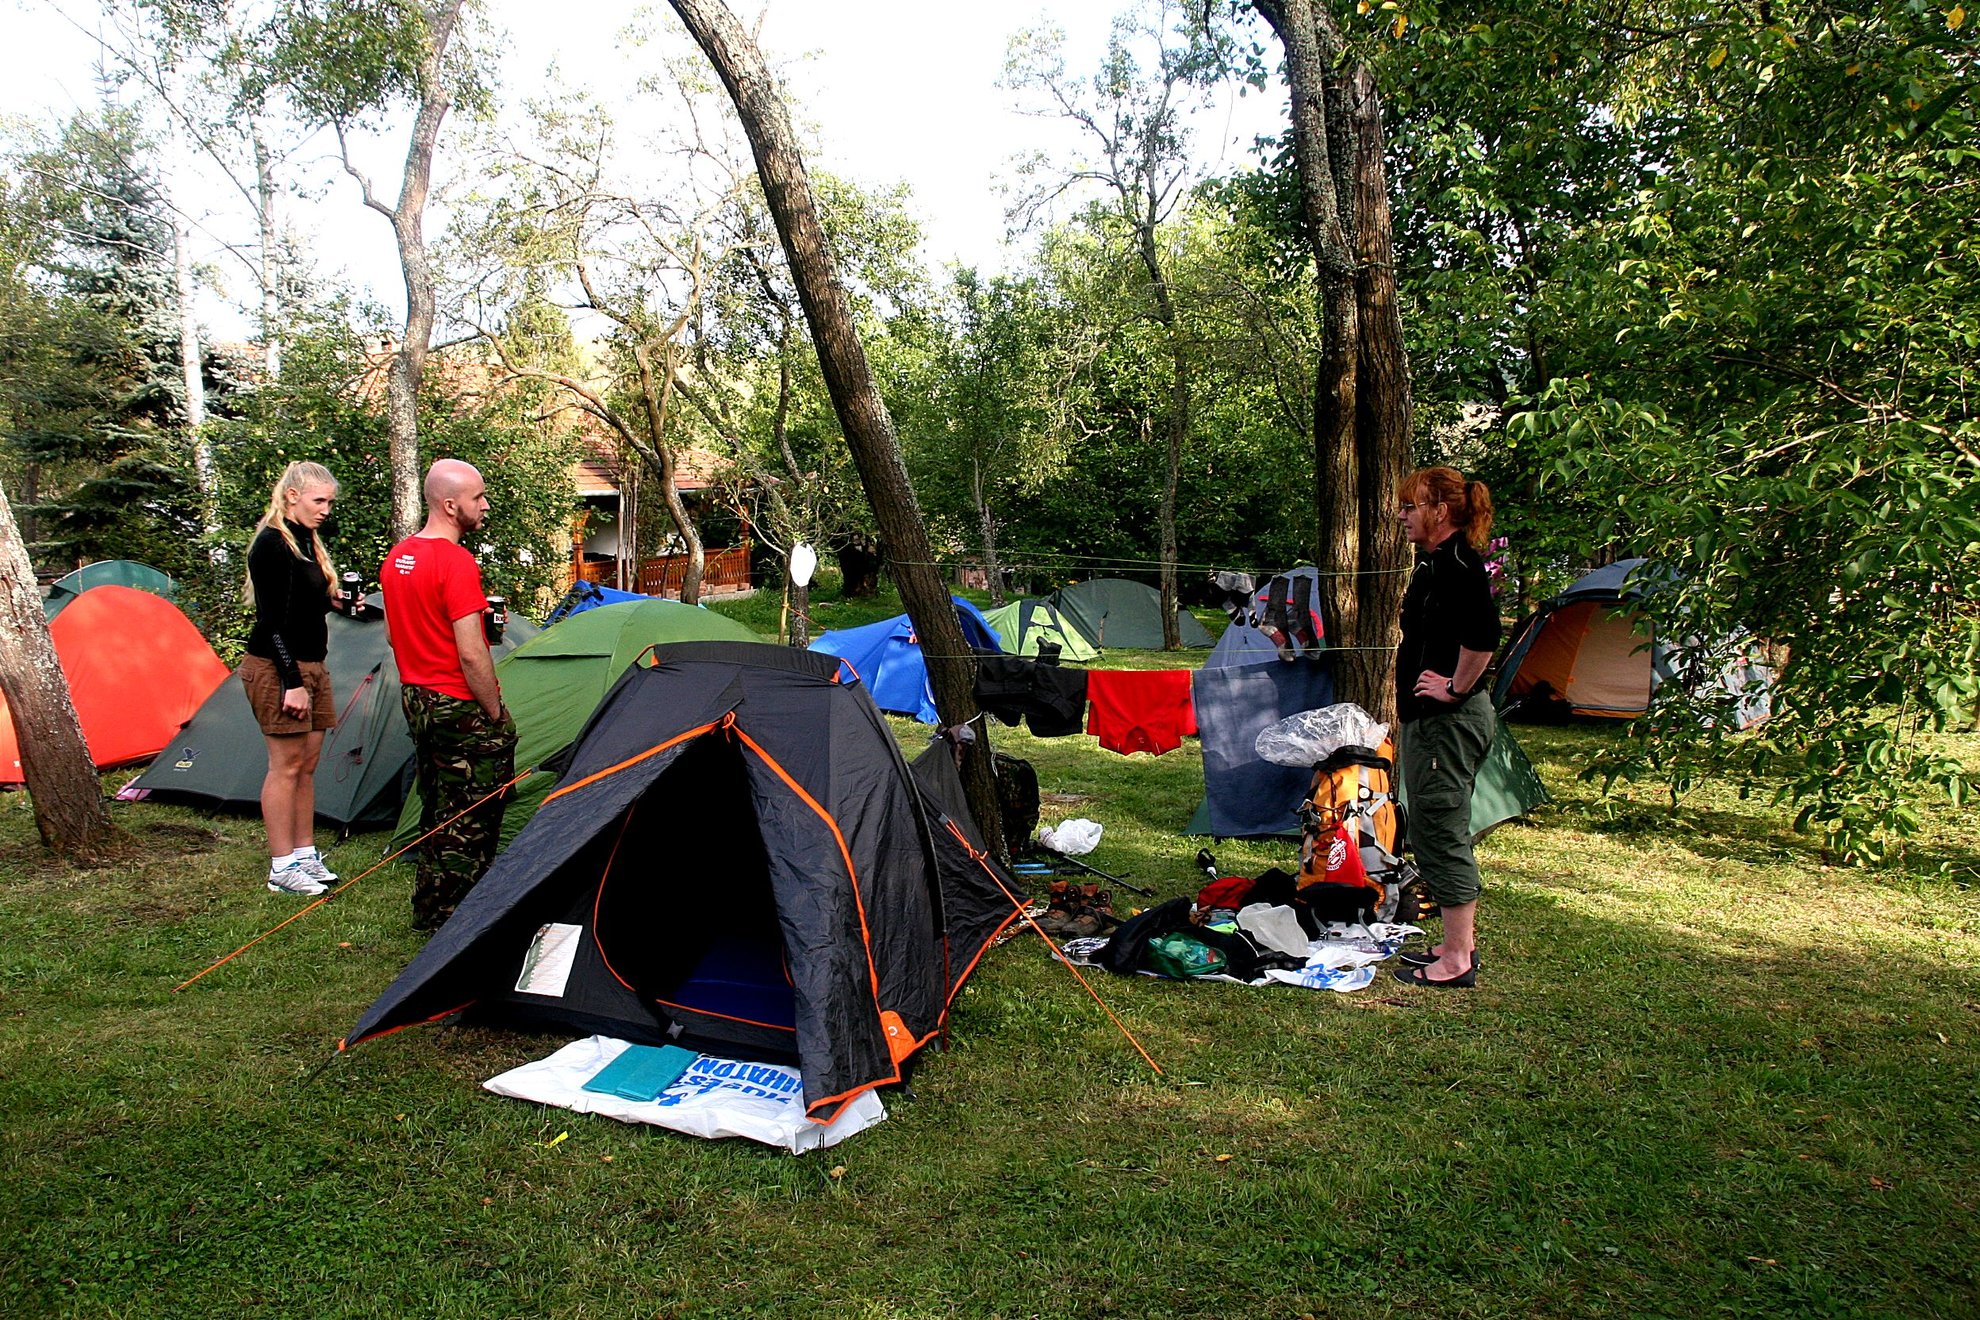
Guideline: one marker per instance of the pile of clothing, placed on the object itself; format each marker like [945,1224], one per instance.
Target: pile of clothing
[1247,930]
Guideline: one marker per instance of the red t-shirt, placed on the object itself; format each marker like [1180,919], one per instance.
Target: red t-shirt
[428,583]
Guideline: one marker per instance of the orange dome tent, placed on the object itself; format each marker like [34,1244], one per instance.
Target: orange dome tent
[137,670]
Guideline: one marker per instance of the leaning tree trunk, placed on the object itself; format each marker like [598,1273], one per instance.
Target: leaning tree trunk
[61,779]
[863,417]
[1385,419]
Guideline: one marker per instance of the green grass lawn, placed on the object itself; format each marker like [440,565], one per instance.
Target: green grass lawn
[1704,1074]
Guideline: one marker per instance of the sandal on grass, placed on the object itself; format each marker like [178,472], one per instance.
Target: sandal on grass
[1423,958]
[1421,976]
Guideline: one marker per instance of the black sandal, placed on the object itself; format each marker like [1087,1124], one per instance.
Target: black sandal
[1421,976]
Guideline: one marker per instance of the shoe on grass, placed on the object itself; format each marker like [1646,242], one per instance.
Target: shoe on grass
[314,868]
[292,879]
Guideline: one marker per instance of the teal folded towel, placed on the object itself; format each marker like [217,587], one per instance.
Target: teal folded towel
[642,1072]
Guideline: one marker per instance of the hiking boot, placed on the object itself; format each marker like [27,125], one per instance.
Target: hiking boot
[292,879]
[1061,904]
[314,868]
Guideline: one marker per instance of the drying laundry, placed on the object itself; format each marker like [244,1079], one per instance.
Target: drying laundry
[1140,710]
[1050,699]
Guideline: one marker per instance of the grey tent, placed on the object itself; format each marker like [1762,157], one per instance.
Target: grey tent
[1120,612]
[219,758]
[107,572]
[737,858]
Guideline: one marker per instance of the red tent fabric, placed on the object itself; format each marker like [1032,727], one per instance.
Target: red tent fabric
[137,670]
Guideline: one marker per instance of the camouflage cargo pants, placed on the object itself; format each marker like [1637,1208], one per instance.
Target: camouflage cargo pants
[459,757]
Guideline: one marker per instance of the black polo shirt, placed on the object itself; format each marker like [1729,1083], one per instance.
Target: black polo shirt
[1448,605]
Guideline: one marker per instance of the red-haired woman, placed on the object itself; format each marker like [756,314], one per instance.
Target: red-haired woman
[1450,628]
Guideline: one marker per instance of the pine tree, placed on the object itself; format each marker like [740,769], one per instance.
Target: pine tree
[99,435]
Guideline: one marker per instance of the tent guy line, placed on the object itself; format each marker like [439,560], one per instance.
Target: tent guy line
[388,857]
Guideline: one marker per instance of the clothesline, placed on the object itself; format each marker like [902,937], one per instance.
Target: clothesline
[1073,561]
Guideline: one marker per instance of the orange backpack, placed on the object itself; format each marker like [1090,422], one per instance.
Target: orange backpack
[1350,832]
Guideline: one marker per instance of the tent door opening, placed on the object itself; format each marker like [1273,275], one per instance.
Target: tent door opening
[685,917]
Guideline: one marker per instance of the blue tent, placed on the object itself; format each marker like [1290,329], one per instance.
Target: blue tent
[887,657]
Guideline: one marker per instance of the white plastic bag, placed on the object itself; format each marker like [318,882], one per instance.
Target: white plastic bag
[713,1098]
[1070,838]
[1310,737]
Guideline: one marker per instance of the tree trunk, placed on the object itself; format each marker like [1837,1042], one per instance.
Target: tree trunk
[1385,420]
[61,779]
[409,229]
[863,417]
[272,256]
[800,609]
[1176,424]
[993,572]
[1362,409]
[191,370]
[660,457]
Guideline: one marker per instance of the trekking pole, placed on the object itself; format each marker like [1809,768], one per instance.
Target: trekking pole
[325,898]
[1094,870]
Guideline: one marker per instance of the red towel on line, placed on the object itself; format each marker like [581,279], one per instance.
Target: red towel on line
[1139,710]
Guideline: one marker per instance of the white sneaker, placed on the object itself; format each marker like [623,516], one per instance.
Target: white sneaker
[292,879]
[314,868]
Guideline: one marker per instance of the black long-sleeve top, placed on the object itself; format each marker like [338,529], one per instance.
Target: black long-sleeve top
[291,598]
[1448,605]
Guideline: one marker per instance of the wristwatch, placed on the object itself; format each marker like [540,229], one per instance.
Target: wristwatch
[1450,686]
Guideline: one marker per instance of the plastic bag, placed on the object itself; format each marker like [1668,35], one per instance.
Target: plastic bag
[1183,956]
[1310,737]
[1070,838]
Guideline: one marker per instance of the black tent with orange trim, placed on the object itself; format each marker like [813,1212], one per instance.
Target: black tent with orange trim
[738,858]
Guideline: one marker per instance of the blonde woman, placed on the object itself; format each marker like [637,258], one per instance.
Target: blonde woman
[290,584]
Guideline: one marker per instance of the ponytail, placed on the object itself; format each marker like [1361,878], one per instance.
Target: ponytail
[1470,502]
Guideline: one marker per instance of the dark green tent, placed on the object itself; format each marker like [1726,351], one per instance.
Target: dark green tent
[107,572]
[220,758]
[554,683]
[1120,612]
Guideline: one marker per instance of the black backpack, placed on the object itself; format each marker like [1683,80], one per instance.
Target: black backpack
[1017,801]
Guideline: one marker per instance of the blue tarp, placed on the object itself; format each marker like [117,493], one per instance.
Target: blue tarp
[887,657]
[1244,794]
[588,596]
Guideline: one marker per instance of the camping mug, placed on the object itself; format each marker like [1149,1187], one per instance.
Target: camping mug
[349,596]
[495,619]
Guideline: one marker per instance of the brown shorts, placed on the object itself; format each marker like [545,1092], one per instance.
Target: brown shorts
[264,694]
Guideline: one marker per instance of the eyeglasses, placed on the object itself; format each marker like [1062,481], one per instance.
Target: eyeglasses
[1408,508]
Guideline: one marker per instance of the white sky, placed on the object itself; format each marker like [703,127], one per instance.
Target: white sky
[895,91]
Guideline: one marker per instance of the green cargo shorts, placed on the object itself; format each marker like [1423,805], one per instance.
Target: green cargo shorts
[1440,755]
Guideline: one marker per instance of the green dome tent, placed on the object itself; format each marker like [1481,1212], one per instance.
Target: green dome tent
[107,573]
[1121,612]
[553,683]
[1023,624]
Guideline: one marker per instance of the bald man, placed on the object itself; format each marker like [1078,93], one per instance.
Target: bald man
[463,738]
